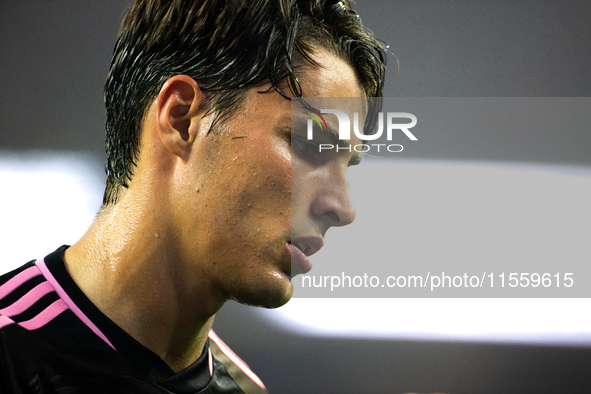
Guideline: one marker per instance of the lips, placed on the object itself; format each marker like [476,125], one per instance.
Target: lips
[299,260]
[301,248]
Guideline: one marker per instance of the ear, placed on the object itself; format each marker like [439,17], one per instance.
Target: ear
[178,110]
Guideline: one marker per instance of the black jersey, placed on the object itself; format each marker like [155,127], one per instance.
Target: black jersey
[54,340]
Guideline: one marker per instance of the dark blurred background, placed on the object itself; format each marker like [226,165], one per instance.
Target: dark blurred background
[54,57]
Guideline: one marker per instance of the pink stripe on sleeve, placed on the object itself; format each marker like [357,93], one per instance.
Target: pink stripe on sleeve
[47,315]
[210,361]
[25,302]
[235,359]
[13,283]
[68,301]
[5,320]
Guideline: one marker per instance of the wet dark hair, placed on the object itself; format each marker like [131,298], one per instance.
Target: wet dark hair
[227,47]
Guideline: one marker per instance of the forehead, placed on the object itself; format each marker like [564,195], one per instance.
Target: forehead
[333,85]
[334,77]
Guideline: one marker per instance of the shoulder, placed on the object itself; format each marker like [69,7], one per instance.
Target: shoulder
[20,293]
[24,296]
[43,346]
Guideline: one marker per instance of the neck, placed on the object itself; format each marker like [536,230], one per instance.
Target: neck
[127,265]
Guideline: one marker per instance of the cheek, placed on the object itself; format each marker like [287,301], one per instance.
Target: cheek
[267,182]
[253,186]
[302,190]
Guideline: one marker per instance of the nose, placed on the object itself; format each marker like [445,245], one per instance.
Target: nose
[333,204]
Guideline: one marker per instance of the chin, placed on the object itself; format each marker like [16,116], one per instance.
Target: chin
[270,297]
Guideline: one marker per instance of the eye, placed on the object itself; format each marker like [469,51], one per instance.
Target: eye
[305,149]
[309,151]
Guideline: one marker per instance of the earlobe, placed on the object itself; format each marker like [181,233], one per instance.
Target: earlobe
[177,108]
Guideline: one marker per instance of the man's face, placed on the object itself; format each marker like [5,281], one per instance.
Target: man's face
[253,197]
